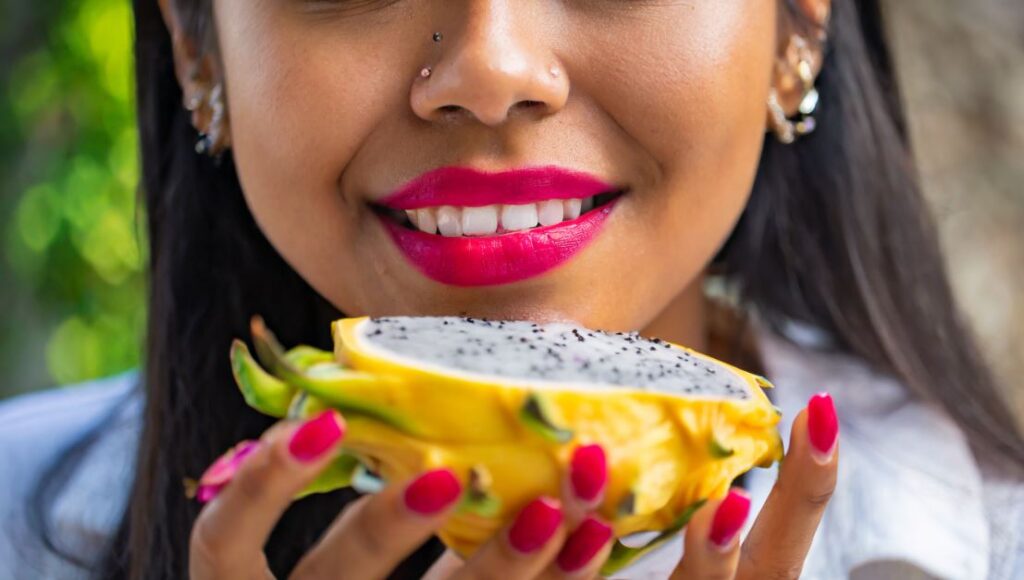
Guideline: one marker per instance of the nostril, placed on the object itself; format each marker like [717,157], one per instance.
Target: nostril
[450,109]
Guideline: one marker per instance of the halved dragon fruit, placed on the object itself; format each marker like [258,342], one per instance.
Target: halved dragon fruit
[505,403]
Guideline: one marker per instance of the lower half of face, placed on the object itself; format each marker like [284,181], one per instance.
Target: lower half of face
[664,103]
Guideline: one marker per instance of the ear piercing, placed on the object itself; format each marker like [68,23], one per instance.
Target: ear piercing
[788,130]
[211,141]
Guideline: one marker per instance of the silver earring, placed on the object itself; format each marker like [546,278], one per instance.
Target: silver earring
[788,130]
[210,142]
[194,102]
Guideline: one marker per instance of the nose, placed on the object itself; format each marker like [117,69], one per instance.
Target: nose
[491,68]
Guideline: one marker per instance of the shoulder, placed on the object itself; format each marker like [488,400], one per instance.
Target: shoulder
[910,490]
[99,417]
[60,411]
[1004,504]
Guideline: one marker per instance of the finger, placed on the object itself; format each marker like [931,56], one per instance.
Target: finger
[584,551]
[230,532]
[445,567]
[782,533]
[379,531]
[583,490]
[712,539]
[522,550]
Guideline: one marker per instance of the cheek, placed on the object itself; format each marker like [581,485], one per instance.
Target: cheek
[302,98]
[705,74]
[297,112]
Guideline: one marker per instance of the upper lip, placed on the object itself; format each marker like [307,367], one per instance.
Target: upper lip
[468,187]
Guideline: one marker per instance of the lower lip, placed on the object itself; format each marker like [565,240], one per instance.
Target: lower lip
[501,259]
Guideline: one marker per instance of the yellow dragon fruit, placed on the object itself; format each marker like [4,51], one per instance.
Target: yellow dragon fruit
[505,403]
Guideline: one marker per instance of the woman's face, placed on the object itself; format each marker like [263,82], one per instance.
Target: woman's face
[330,115]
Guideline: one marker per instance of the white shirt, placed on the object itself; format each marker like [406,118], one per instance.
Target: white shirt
[909,492]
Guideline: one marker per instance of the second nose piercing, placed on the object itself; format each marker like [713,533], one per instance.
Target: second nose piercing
[427,71]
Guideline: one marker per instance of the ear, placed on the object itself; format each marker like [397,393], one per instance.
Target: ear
[194,66]
[802,28]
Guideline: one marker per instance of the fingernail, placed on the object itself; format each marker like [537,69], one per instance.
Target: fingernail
[822,425]
[729,518]
[223,470]
[588,471]
[317,436]
[206,493]
[583,544]
[432,492]
[535,525]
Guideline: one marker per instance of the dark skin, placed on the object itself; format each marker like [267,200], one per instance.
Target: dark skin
[328,113]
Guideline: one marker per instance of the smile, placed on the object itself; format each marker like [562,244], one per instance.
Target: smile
[463,227]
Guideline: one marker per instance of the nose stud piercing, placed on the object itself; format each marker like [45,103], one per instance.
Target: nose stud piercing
[426,71]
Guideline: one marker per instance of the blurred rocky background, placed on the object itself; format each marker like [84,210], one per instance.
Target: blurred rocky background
[71,290]
[962,69]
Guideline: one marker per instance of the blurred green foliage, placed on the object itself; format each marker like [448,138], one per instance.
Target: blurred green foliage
[71,263]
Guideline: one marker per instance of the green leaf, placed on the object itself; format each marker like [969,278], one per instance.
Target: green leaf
[622,555]
[261,391]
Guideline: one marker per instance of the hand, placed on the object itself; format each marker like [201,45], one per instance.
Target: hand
[249,489]
[781,536]
[548,539]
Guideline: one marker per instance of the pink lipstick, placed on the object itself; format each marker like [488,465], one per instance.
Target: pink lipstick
[467,187]
[501,257]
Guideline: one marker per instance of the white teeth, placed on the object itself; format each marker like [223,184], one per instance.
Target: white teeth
[453,221]
[426,221]
[519,217]
[550,212]
[477,221]
[572,208]
[449,221]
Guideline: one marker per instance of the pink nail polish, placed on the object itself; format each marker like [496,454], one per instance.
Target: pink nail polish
[583,544]
[535,525]
[206,493]
[822,424]
[317,436]
[729,518]
[588,471]
[432,492]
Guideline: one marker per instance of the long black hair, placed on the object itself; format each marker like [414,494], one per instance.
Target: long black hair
[836,234]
